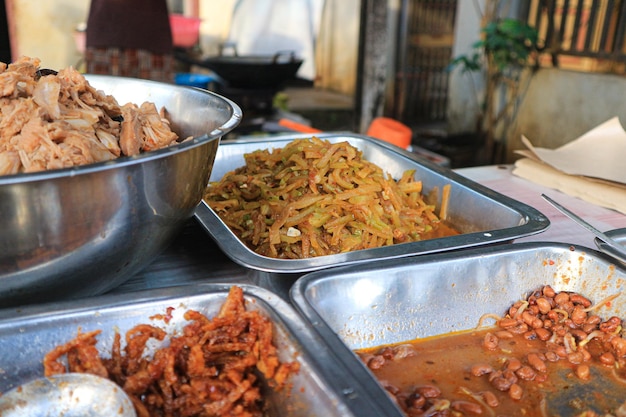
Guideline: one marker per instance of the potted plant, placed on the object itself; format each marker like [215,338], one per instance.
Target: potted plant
[503,56]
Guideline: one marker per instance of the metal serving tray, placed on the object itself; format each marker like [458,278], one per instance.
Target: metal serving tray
[481,214]
[394,301]
[321,388]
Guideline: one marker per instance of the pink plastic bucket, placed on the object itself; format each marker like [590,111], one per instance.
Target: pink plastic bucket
[185,30]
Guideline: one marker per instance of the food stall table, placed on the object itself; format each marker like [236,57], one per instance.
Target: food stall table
[562,229]
[195,257]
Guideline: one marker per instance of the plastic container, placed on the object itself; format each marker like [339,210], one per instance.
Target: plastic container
[195,80]
[185,30]
[391,131]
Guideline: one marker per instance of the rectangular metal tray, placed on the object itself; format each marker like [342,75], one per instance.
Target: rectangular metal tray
[321,387]
[481,214]
[394,301]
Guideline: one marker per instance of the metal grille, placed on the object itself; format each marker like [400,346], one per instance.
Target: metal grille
[425,39]
[580,28]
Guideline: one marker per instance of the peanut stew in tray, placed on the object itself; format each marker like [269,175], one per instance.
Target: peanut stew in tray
[551,347]
[526,329]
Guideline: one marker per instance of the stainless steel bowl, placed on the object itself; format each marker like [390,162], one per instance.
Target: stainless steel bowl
[82,231]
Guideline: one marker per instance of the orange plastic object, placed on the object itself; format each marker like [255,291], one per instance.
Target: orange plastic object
[185,30]
[298,127]
[391,131]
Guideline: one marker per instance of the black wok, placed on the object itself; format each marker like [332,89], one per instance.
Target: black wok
[250,71]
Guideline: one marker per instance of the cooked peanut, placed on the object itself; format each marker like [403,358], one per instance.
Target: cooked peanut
[561,298]
[387,352]
[504,334]
[510,376]
[429,391]
[516,392]
[544,305]
[548,291]
[416,401]
[490,341]
[588,327]
[560,330]
[530,335]
[560,350]
[507,322]
[578,334]
[526,373]
[527,317]
[579,315]
[490,398]
[607,358]
[481,369]
[583,371]
[575,358]
[586,354]
[519,329]
[535,361]
[619,345]
[579,299]
[537,323]
[513,364]
[467,407]
[611,325]
[543,334]
[376,362]
[501,384]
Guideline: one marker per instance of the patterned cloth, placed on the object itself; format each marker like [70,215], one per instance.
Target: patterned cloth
[135,63]
[132,24]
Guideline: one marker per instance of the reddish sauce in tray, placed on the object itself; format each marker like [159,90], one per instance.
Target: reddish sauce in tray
[551,354]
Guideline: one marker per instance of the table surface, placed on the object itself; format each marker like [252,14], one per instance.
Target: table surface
[193,256]
[562,229]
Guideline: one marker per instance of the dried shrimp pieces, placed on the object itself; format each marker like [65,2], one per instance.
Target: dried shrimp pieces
[212,368]
[314,198]
[54,120]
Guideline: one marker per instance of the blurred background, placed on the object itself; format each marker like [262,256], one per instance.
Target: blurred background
[365,58]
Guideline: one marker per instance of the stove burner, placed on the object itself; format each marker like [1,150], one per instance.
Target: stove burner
[257,106]
[254,101]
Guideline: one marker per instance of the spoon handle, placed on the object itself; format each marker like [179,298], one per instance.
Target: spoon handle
[609,241]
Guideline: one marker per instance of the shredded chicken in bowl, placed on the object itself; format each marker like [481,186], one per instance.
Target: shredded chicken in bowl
[52,120]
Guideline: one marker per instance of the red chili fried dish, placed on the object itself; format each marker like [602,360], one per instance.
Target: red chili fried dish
[550,355]
[313,198]
[213,368]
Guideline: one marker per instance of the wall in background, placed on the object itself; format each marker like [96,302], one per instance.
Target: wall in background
[558,106]
[44,29]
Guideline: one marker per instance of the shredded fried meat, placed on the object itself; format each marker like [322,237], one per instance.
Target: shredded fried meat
[211,369]
[59,120]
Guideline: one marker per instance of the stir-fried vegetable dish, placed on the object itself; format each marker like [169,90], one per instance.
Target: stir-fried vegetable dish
[313,198]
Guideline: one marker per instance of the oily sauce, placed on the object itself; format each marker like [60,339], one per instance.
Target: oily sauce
[549,355]
[446,362]
[443,229]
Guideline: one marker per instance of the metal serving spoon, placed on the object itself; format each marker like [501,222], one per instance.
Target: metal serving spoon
[610,242]
[68,395]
